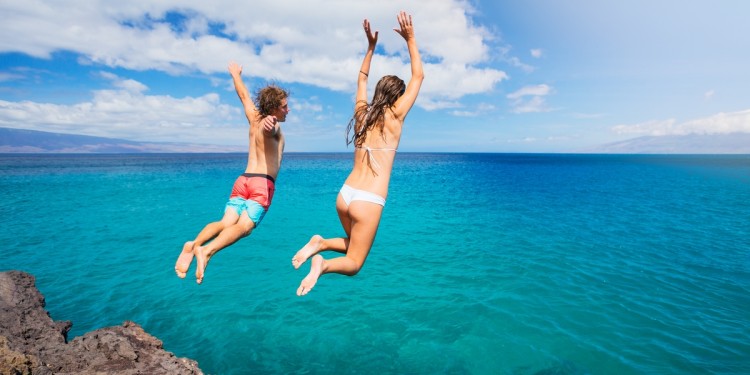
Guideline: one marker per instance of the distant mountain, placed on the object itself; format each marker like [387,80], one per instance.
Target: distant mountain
[733,143]
[32,141]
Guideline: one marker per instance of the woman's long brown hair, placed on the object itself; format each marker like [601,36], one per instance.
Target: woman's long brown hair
[370,116]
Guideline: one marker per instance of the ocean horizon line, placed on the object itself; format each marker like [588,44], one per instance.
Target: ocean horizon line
[400,152]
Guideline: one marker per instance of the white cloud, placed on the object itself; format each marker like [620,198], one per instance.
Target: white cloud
[430,104]
[126,112]
[308,42]
[310,105]
[530,99]
[5,77]
[536,53]
[709,94]
[445,31]
[464,113]
[532,105]
[480,109]
[130,85]
[486,107]
[455,80]
[515,61]
[587,115]
[720,123]
[538,90]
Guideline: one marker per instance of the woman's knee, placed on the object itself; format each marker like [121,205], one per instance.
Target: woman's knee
[354,266]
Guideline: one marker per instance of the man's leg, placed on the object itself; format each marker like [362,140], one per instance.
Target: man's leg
[226,237]
[208,232]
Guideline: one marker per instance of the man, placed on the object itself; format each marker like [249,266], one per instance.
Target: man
[253,190]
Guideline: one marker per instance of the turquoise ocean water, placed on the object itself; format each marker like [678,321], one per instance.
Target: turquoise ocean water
[483,263]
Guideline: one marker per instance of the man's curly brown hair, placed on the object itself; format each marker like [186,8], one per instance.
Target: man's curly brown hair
[269,98]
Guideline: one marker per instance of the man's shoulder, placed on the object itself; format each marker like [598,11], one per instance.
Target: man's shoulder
[253,115]
[255,120]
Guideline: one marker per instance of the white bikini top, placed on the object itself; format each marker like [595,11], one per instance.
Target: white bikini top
[373,163]
[371,159]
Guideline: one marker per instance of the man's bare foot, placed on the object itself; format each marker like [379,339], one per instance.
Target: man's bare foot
[307,251]
[201,261]
[316,268]
[184,260]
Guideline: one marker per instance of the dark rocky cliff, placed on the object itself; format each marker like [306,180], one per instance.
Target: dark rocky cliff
[32,343]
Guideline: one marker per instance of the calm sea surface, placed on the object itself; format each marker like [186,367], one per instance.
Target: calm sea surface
[483,263]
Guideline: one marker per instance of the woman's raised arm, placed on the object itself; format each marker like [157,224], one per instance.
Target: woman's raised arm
[406,101]
[364,71]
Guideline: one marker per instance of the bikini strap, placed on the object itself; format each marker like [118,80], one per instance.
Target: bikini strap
[373,161]
[370,157]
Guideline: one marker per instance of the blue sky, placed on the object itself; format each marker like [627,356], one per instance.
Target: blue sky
[500,76]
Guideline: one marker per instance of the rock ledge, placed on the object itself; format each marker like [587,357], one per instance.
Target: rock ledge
[32,343]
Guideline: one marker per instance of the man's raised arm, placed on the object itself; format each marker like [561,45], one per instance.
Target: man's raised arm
[247,102]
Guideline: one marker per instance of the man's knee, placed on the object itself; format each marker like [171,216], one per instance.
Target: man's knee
[246,227]
[226,223]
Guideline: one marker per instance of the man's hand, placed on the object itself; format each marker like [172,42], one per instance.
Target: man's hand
[270,125]
[235,69]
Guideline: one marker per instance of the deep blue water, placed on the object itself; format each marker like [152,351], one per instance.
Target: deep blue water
[483,263]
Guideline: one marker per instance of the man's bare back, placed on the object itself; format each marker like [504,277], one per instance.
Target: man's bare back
[266,145]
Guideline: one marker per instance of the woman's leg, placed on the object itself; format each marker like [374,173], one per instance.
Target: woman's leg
[317,243]
[364,220]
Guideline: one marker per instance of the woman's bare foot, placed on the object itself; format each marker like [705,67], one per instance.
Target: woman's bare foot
[316,268]
[201,261]
[312,248]
[184,260]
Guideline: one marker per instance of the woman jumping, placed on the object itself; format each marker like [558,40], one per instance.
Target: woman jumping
[375,131]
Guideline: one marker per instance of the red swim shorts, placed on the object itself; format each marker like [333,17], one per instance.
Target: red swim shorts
[254,186]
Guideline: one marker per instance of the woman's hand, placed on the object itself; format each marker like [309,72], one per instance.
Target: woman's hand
[372,40]
[406,28]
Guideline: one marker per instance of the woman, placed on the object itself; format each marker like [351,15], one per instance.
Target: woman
[375,131]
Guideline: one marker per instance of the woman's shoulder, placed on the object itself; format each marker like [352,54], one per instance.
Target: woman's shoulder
[392,119]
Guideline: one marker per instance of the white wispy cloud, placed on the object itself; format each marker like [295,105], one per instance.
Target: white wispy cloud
[479,109]
[720,123]
[5,76]
[537,90]
[579,115]
[530,99]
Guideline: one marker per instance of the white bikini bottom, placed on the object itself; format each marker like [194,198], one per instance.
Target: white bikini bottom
[351,194]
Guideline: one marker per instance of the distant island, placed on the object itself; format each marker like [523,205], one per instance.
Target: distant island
[32,141]
[731,143]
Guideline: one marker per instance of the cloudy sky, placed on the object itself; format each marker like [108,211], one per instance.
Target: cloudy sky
[515,76]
